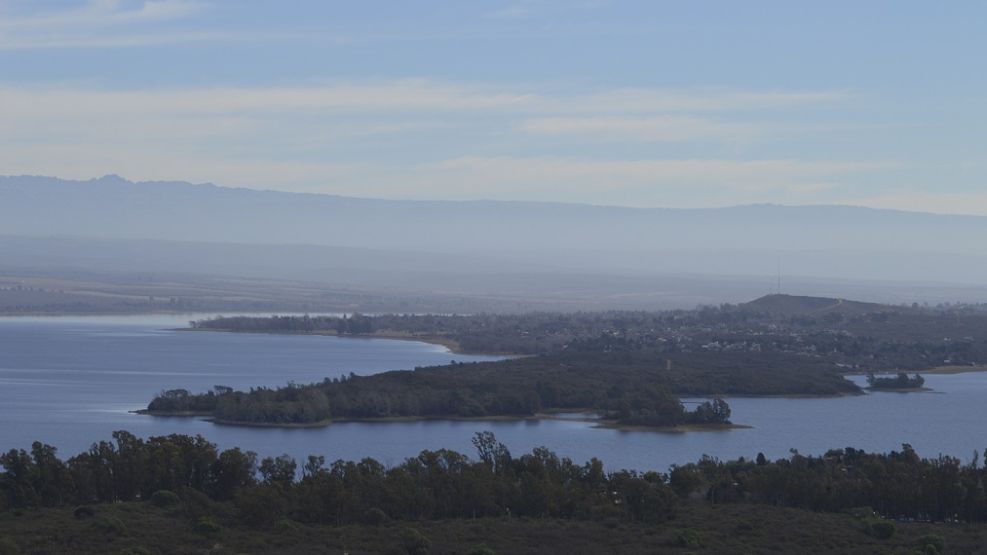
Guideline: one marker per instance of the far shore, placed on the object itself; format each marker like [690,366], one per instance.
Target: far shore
[451,344]
[170,414]
[680,429]
[776,395]
[956,369]
[899,389]
[950,369]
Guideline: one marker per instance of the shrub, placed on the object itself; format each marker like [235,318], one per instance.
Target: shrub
[135,551]
[164,498]
[932,544]
[414,542]
[481,550]
[83,512]
[881,529]
[195,503]
[687,538]
[261,506]
[110,525]
[206,527]
[287,526]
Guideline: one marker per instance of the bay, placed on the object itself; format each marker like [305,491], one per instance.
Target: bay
[72,381]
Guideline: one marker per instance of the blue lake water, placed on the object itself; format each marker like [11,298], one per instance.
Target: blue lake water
[71,381]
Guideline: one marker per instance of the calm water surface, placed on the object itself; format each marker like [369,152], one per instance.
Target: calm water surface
[72,381]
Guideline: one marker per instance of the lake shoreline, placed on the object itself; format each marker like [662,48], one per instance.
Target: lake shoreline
[681,429]
[900,389]
[776,396]
[451,345]
[956,370]
[951,369]
[552,415]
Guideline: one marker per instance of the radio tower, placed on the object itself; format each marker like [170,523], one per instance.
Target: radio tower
[779,277]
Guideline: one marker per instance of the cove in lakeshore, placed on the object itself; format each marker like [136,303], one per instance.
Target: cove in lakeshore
[72,381]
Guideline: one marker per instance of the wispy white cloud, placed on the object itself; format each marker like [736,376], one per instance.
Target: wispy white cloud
[105,23]
[386,97]
[365,138]
[103,13]
[635,100]
[645,128]
[409,95]
[509,12]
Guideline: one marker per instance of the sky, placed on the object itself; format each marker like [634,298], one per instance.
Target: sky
[631,103]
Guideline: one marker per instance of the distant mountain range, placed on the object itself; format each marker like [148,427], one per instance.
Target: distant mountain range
[112,207]
[112,222]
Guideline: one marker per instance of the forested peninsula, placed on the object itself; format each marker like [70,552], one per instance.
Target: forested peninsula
[629,367]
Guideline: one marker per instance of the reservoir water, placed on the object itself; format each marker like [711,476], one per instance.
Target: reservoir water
[72,381]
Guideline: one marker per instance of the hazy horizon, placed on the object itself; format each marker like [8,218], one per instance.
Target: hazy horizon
[551,255]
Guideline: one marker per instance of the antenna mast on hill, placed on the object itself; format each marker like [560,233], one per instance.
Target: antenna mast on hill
[779,276]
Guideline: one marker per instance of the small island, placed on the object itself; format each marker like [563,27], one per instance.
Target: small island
[521,389]
[900,382]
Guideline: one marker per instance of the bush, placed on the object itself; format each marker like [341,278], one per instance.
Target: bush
[206,527]
[261,506]
[481,550]
[932,544]
[195,503]
[135,551]
[287,526]
[881,529]
[110,525]
[414,542]
[164,498]
[688,538]
[83,513]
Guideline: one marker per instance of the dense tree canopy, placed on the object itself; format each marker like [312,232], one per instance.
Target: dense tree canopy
[446,484]
[433,485]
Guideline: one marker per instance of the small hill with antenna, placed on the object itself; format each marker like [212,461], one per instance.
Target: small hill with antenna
[795,305]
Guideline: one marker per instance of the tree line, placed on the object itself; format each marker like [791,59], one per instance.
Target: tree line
[899,381]
[445,484]
[433,485]
[896,485]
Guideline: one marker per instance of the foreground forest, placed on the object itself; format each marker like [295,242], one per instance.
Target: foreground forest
[630,367]
[179,494]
